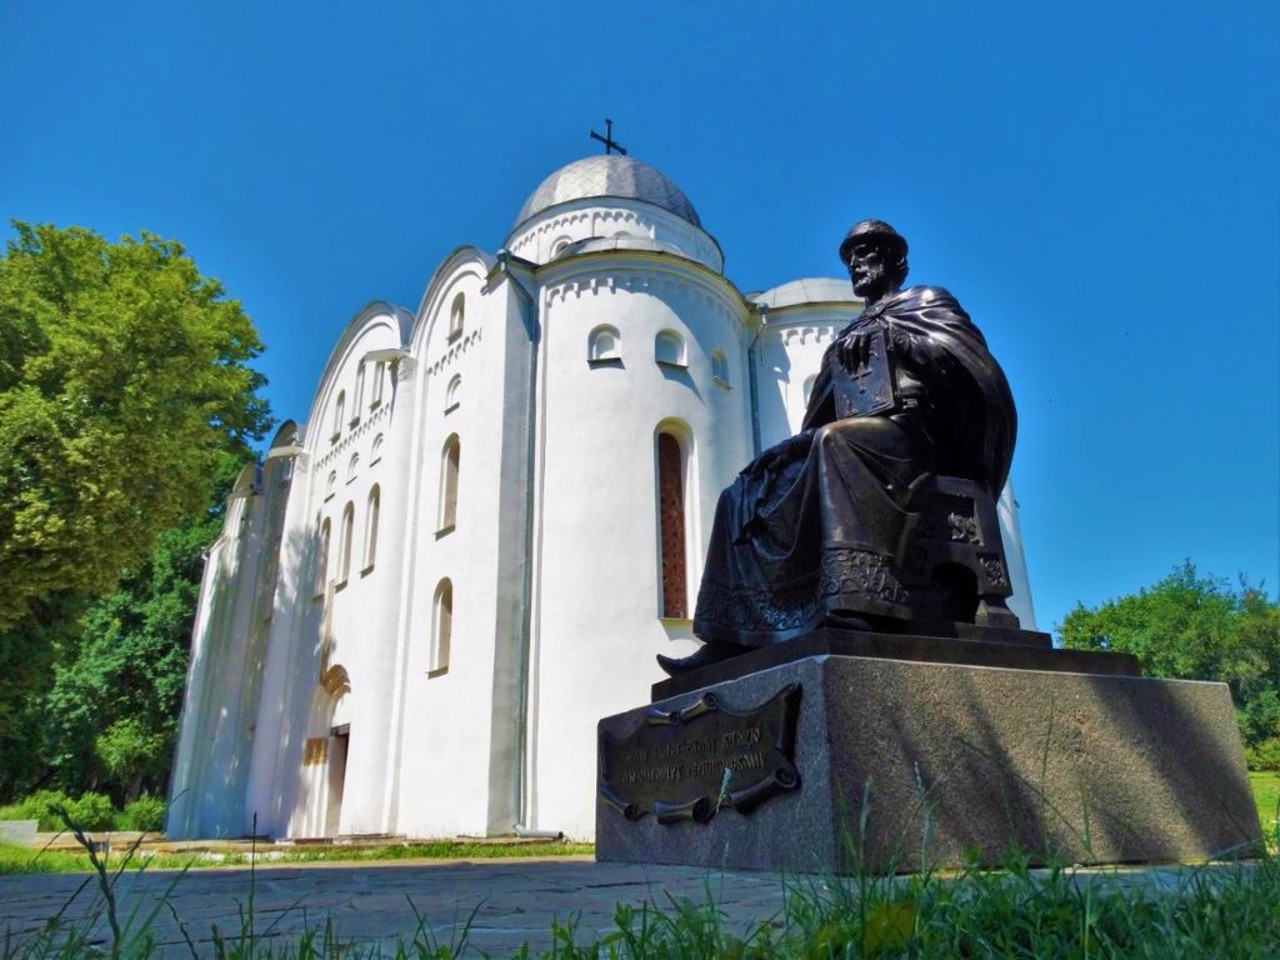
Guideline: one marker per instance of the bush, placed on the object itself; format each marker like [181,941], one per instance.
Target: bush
[93,811]
[39,806]
[146,814]
[1265,756]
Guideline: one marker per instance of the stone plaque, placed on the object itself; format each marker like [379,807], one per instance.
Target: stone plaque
[688,764]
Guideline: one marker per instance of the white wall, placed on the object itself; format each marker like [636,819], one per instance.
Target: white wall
[597,562]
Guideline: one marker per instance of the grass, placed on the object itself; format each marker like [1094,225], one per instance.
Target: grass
[1266,792]
[22,860]
[1014,912]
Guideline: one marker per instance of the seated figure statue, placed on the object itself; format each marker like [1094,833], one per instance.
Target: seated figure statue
[819,528]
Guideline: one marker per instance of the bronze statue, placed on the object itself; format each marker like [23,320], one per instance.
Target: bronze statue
[880,514]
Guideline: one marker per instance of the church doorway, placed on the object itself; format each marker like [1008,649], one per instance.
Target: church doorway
[339,740]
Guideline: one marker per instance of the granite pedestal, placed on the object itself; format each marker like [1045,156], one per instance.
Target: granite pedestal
[903,765]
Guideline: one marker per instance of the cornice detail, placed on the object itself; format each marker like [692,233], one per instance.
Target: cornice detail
[457,349]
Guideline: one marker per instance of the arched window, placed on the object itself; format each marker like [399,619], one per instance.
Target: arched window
[441,629]
[358,405]
[353,465]
[339,409]
[375,451]
[668,349]
[449,484]
[457,313]
[379,376]
[604,345]
[451,393]
[559,247]
[671,524]
[322,559]
[720,368]
[330,483]
[371,528]
[344,544]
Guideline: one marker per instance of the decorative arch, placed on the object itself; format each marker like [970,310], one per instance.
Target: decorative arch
[669,349]
[353,467]
[441,628]
[451,393]
[604,345]
[375,450]
[450,459]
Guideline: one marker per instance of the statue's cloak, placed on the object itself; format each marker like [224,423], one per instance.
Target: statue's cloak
[938,346]
[817,524]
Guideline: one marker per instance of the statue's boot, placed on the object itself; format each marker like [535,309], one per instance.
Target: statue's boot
[710,652]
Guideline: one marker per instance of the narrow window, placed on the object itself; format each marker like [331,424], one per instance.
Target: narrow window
[442,629]
[371,528]
[330,483]
[344,544]
[322,559]
[604,346]
[457,314]
[671,524]
[668,349]
[358,404]
[375,451]
[379,375]
[451,393]
[338,409]
[449,484]
[720,368]
[353,467]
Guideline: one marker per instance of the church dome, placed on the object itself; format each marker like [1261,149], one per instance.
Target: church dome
[609,175]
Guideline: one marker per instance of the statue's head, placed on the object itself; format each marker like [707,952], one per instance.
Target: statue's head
[875,255]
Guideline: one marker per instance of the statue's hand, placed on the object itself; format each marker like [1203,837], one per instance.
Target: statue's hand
[853,350]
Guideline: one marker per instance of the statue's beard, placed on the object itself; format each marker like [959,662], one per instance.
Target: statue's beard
[872,285]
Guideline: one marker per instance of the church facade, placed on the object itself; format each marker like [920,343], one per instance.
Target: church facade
[493,519]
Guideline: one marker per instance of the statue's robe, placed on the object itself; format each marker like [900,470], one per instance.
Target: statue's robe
[819,523]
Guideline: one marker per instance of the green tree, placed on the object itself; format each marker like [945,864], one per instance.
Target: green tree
[125,393]
[124,378]
[111,717]
[1197,628]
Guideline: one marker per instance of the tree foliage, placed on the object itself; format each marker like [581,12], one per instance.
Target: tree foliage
[124,378]
[1197,628]
[127,404]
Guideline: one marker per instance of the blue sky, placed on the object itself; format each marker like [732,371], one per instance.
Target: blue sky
[1097,183]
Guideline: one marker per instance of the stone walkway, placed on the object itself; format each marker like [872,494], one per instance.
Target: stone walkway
[504,902]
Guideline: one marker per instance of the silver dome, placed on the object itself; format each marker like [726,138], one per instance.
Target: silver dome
[609,175]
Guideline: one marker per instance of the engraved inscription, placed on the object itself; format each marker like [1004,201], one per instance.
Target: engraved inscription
[689,764]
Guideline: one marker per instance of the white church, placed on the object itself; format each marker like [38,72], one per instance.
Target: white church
[492,521]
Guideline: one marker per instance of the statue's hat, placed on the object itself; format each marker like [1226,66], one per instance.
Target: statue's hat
[876,230]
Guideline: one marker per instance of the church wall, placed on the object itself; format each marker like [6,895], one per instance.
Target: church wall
[359,627]
[444,724]
[290,670]
[789,354]
[217,727]
[598,620]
